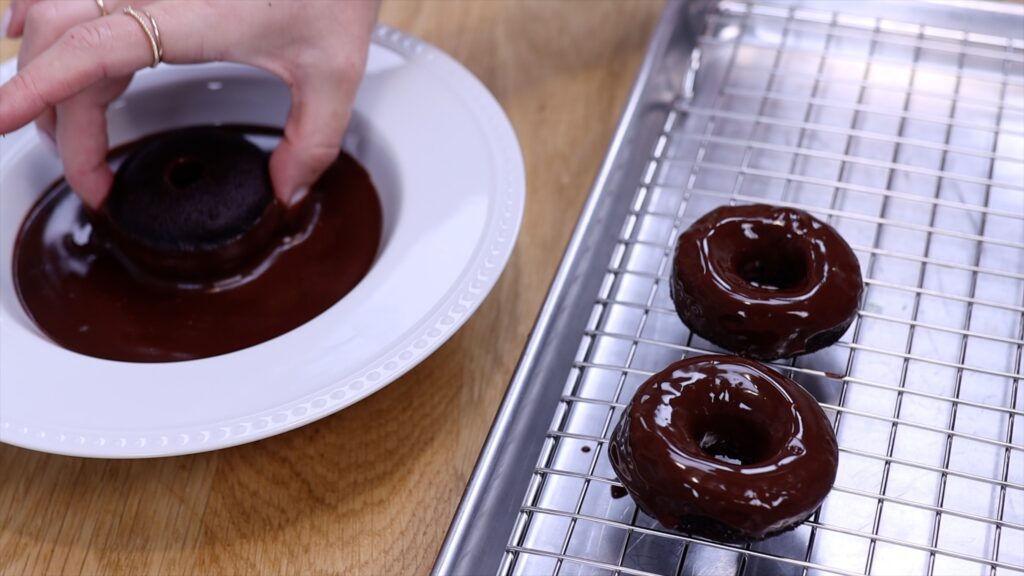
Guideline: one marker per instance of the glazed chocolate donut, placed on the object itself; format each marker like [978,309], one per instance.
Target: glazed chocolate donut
[765,282]
[724,448]
[192,204]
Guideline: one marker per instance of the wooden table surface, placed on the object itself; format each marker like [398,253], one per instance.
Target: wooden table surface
[371,489]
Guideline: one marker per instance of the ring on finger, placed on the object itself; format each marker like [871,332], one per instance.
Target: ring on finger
[102,6]
[151,29]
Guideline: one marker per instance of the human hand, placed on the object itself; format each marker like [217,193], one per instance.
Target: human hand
[74,63]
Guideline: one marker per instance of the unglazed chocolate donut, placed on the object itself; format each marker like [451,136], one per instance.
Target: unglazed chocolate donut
[724,448]
[194,203]
[765,282]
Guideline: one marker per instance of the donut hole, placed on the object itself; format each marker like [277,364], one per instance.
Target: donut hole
[734,440]
[184,172]
[777,264]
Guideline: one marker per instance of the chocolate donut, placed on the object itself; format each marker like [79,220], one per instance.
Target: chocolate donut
[724,448]
[765,282]
[192,204]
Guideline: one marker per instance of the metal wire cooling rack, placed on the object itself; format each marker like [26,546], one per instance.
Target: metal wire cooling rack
[909,140]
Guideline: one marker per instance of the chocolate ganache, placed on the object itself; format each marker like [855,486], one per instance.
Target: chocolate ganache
[724,448]
[765,282]
[191,256]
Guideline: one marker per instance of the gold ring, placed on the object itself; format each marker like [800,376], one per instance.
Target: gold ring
[152,32]
[103,7]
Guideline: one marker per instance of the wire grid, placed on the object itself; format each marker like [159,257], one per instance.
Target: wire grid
[909,140]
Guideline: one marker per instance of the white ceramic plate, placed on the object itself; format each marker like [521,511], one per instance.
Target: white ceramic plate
[450,175]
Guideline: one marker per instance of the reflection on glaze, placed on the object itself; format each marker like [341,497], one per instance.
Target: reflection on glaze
[725,448]
[80,294]
[765,282]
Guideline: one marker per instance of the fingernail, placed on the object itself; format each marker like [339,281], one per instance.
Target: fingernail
[298,196]
[5,22]
[48,142]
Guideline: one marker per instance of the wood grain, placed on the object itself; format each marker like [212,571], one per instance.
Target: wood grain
[372,489]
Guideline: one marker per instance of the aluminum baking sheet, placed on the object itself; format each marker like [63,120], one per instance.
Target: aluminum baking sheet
[908,138]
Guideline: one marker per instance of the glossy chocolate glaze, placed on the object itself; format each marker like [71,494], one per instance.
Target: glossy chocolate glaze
[724,448]
[81,295]
[765,282]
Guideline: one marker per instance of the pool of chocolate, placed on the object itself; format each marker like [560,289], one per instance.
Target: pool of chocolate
[81,296]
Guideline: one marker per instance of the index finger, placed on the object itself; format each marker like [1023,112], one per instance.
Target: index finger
[109,47]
